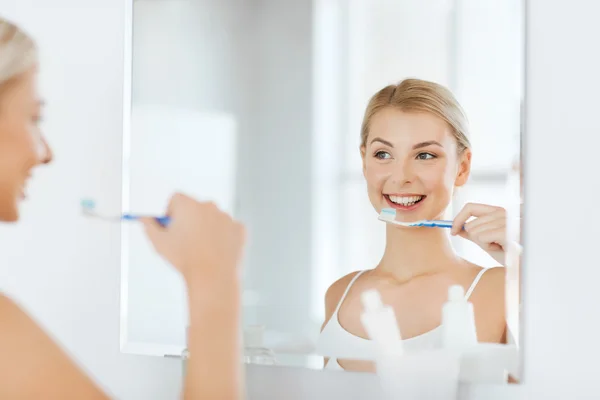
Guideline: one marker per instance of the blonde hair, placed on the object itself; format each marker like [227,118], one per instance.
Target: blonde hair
[18,52]
[420,96]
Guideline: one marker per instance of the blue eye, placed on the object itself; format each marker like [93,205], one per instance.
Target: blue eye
[425,156]
[382,155]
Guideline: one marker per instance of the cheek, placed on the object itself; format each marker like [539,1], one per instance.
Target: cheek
[438,179]
[25,148]
[376,175]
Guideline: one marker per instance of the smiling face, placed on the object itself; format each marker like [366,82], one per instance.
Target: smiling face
[22,146]
[412,163]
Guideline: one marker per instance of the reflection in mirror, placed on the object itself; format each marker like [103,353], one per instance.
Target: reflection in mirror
[306,119]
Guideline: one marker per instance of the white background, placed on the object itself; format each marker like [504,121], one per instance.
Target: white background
[66,270]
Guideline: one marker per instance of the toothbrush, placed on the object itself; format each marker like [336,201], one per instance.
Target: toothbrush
[88,208]
[389,215]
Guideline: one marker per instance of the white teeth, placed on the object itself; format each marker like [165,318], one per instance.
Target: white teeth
[405,200]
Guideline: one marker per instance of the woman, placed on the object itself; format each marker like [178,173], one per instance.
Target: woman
[416,152]
[32,366]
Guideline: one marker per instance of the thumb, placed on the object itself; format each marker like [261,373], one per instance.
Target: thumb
[153,229]
[464,234]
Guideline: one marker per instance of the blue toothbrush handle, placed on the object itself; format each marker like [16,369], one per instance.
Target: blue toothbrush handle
[438,224]
[164,221]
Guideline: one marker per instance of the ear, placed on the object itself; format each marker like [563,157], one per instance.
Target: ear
[363,153]
[464,168]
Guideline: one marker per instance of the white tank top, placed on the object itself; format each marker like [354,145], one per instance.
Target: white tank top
[336,340]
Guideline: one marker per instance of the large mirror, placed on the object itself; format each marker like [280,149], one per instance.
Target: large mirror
[260,106]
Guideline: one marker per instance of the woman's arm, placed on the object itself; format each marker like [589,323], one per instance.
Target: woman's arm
[32,366]
[206,245]
[214,366]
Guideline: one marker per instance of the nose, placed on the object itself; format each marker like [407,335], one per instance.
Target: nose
[403,173]
[46,154]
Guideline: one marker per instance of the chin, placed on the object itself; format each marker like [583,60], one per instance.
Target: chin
[9,212]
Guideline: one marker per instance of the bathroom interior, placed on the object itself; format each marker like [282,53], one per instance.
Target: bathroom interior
[257,105]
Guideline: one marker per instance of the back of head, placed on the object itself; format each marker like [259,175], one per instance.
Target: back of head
[18,53]
[416,95]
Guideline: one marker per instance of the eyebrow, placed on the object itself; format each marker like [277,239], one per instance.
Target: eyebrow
[416,146]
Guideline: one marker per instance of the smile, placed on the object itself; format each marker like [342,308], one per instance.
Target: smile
[404,202]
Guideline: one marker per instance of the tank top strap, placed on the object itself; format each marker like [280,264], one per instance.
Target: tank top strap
[475,282]
[346,291]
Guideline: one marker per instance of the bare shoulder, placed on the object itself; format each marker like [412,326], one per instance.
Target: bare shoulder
[11,315]
[335,292]
[488,299]
[337,289]
[17,326]
[6,303]
[494,280]
[44,370]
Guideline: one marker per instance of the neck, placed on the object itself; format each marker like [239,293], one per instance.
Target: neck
[411,252]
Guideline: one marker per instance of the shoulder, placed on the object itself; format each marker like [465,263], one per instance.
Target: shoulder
[493,280]
[337,288]
[13,317]
[8,308]
[15,323]
[488,298]
[335,292]
[488,286]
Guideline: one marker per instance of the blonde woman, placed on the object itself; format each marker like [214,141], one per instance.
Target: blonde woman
[32,366]
[415,151]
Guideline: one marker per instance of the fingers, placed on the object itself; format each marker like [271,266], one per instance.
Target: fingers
[241,233]
[154,232]
[495,219]
[492,235]
[490,239]
[152,227]
[471,210]
[487,234]
[174,203]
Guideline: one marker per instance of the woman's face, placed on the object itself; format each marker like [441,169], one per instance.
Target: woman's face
[411,164]
[22,146]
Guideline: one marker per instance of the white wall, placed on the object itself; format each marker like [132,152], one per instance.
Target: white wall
[561,274]
[63,268]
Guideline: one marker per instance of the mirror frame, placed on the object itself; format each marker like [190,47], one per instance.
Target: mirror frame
[468,391]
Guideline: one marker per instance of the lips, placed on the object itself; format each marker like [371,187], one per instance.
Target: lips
[405,202]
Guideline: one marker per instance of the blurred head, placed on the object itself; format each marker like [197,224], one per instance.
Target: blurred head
[415,149]
[22,146]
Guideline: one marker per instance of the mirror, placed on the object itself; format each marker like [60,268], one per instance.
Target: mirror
[258,105]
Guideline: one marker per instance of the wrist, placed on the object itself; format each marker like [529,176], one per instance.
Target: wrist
[219,286]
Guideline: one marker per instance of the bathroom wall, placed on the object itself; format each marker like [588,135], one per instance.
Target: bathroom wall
[560,270]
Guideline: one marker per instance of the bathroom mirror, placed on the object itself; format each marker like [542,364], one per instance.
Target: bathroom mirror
[258,105]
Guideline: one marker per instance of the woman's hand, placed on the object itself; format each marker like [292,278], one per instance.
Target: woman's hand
[205,245]
[202,242]
[487,230]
